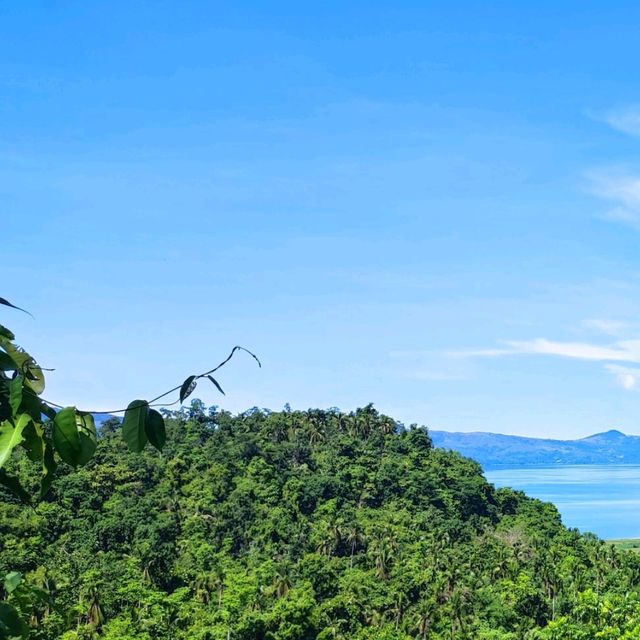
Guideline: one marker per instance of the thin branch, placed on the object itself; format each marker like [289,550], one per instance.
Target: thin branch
[154,402]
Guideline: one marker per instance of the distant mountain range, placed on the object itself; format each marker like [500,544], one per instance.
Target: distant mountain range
[494,449]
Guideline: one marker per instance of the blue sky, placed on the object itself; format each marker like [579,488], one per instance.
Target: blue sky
[434,207]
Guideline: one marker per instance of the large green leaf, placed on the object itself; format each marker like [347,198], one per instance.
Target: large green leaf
[25,364]
[133,425]
[11,624]
[32,440]
[11,436]
[13,484]
[32,405]
[154,428]
[15,394]
[66,438]
[88,437]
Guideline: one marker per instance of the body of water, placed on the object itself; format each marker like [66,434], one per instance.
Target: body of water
[603,499]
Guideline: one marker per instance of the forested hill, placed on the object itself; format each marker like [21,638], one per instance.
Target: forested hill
[306,526]
[495,449]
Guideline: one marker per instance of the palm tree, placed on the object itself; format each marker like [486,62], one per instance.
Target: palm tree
[354,538]
[95,617]
[281,582]
[424,618]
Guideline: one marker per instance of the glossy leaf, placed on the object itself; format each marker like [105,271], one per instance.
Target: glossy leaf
[133,425]
[66,438]
[11,436]
[155,429]
[88,437]
[187,388]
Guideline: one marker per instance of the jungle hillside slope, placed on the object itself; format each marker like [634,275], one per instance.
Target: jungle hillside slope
[302,526]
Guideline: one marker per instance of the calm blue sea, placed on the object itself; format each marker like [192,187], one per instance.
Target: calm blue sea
[603,499]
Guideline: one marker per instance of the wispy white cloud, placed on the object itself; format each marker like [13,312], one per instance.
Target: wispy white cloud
[610,327]
[626,120]
[626,377]
[622,189]
[620,351]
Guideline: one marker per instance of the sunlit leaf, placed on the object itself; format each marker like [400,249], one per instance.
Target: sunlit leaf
[155,430]
[133,425]
[12,580]
[11,436]
[66,438]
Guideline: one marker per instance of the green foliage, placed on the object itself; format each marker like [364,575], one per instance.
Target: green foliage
[303,525]
[48,436]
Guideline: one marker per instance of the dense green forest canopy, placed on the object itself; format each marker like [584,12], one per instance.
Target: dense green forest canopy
[303,525]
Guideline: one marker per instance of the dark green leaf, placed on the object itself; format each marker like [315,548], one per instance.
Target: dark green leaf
[6,363]
[215,382]
[15,394]
[154,428]
[13,484]
[32,405]
[187,388]
[11,624]
[66,438]
[25,364]
[6,303]
[47,411]
[49,466]
[32,440]
[5,333]
[12,580]
[133,425]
